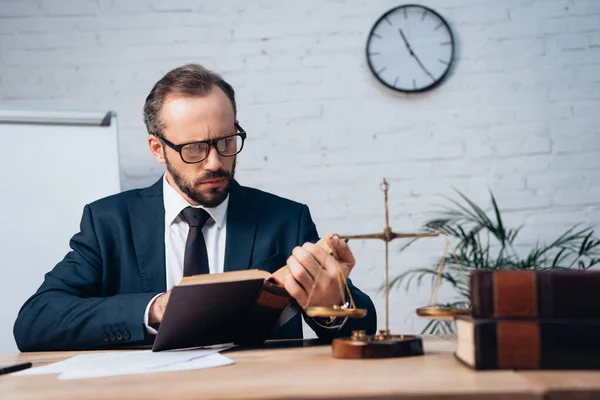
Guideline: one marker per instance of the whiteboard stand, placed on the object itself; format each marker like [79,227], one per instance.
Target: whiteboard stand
[53,163]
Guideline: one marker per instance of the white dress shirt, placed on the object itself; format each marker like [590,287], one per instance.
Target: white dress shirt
[176,231]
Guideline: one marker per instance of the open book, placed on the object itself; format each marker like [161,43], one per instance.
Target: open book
[239,307]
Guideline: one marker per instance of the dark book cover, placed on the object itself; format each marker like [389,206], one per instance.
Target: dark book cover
[485,344]
[572,294]
[212,312]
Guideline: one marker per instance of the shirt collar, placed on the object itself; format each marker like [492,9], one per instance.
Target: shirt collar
[175,203]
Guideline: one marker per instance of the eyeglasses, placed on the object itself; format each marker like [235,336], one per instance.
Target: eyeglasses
[195,152]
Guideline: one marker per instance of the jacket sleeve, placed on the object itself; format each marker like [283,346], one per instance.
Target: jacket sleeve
[308,233]
[68,313]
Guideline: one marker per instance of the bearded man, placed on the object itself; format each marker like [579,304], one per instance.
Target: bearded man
[112,287]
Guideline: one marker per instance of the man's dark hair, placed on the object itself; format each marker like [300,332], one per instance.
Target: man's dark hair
[188,80]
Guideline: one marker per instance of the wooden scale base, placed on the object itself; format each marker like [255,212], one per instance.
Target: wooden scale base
[360,345]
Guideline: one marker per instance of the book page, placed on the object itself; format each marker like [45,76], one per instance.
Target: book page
[231,276]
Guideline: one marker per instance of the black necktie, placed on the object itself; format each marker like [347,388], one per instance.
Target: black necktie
[195,258]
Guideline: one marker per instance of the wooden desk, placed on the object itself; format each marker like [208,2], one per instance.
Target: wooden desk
[301,373]
[572,385]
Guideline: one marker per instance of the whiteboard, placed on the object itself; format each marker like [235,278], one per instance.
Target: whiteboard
[52,164]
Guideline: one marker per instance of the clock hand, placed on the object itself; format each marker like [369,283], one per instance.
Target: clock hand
[422,66]
[412,53]
[406,42]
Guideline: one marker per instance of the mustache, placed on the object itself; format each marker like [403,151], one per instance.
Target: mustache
[221,173]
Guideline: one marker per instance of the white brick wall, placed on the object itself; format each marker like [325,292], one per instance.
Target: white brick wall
[520,113]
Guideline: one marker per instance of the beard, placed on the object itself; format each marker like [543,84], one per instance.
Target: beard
[214,196]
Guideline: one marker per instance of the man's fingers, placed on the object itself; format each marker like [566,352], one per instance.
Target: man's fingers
[294,289]
[158,307]
[299,273]
[307,259]
[343,251]
[317,253]
[313,262]
[326,261]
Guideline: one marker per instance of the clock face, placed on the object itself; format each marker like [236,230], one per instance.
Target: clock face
[410,48]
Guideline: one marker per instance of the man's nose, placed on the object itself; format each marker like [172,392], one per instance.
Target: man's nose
[213,160]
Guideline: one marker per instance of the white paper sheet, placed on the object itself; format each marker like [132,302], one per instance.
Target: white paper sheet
[131,362]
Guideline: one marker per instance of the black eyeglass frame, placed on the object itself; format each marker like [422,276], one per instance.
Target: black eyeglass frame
[210,143]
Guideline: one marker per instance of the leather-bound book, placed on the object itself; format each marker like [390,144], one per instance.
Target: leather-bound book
[572,294]
[485,344]
[240,307]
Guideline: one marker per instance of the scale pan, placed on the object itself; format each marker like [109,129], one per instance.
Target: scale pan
[441,312]
[325,312]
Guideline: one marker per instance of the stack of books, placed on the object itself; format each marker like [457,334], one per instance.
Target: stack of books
[531,320]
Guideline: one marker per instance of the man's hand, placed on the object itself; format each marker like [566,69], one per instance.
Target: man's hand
[157,309]
[304,266]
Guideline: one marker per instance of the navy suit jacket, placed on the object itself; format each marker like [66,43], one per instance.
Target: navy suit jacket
[95,298]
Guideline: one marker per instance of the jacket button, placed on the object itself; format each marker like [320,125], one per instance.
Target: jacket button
[105,336]
[126,335]
[112,337]
[119,336]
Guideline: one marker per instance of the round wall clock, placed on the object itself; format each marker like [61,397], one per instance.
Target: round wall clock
[410,48]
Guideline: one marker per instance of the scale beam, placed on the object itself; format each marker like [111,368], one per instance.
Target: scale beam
[393,235]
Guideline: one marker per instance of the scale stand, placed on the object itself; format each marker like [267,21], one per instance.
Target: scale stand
[385,344]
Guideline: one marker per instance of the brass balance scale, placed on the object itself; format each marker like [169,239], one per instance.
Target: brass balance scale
[384,344]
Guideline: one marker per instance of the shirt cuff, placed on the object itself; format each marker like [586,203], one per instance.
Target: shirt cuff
[336,324]
[150,329]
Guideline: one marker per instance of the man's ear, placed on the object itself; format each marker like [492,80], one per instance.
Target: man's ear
[156,147]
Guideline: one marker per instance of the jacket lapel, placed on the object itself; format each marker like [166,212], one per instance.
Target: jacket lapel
[241,228]
[147,216]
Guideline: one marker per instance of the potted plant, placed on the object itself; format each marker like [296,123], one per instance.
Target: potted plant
[483,242]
